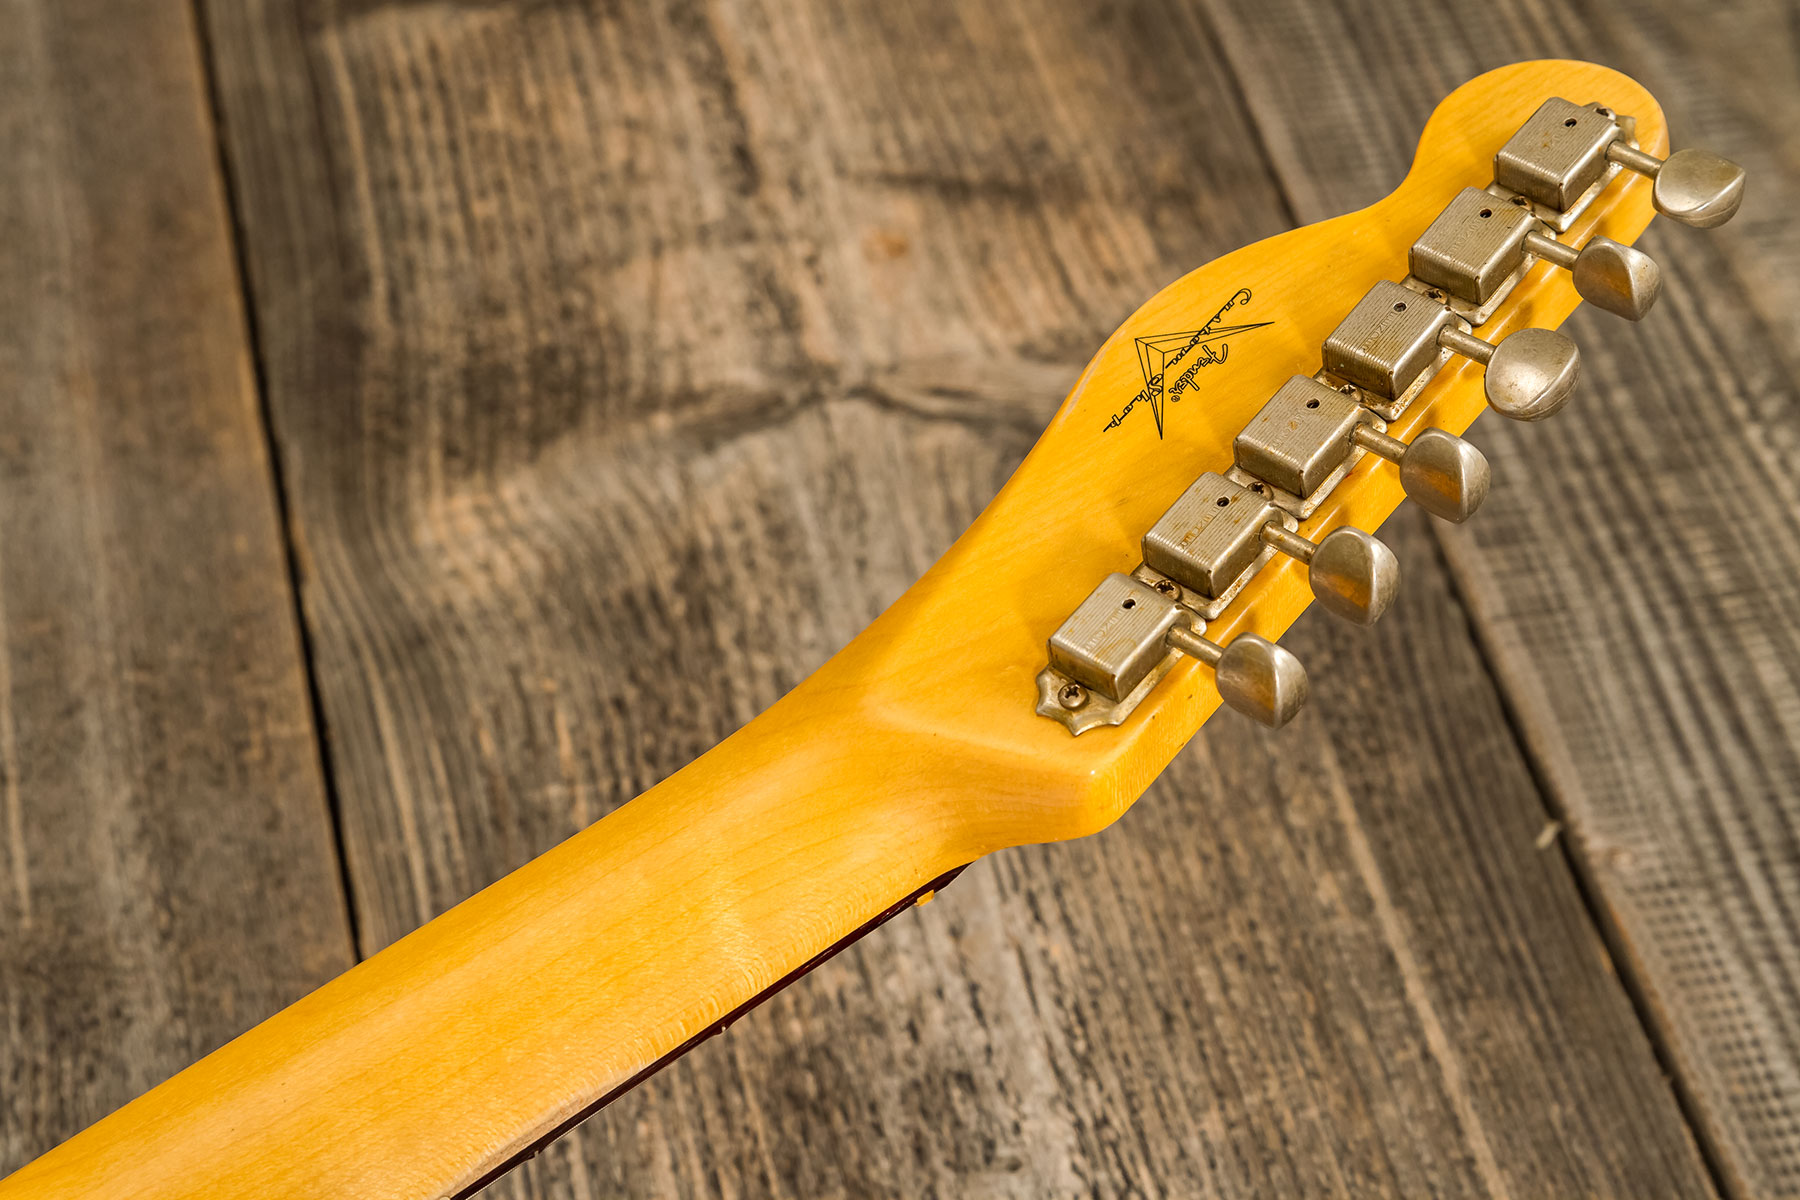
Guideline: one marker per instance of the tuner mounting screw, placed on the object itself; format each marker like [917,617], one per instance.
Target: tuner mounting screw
[1169,588]
[1072,696]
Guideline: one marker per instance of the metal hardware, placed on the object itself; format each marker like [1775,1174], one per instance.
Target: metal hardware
[1440,472]
[1392,342]
[1566,153]
[1608,274]
[1694,187]
[1200,554]
[1478,249]
[1300,444]
[1254,676]
[1115,638]
[1121,641]
[1558,157]
[1208,541]
[1531,373]
[1351,574]
[1474,251]
[1388,346]
[1562,158]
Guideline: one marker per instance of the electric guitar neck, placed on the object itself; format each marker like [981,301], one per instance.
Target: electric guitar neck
[1223,462]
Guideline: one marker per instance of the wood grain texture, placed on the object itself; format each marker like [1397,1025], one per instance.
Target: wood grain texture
[167,875]
[1633,574]
[599,958]
[625,363]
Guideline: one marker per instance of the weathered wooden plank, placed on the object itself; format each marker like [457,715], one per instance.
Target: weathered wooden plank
[167,874]
[1633,574]
[626,362]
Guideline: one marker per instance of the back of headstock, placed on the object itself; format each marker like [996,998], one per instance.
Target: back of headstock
[947,730]
[1228,453]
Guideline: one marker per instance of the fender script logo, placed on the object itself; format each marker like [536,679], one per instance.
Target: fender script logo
[1160,355]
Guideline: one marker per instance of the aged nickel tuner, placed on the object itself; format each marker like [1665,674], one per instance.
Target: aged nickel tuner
[1308,435]
[1304,443]
[1392,343]
[1480,246]
[1440,472]
[1562,155]
[1352,575]
[1531,373]
[1695,187]
[1126,636]
[1219,533]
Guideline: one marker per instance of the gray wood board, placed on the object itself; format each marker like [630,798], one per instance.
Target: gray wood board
[625,362]
[167,873]
[1634,574]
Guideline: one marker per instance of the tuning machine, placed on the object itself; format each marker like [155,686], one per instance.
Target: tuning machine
[1564,153]
[1440,472]
[1395,340]
[1219,533]
[1351,574]
[1128,634]
[1695,187]
[1309,435]
[1480,246]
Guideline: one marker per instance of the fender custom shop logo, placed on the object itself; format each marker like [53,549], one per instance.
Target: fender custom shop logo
[1170,361]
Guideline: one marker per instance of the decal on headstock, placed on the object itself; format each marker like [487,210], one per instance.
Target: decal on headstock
[1309,437]
[1162,354]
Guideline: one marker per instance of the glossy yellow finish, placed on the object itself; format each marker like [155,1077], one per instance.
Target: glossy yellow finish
[912,752]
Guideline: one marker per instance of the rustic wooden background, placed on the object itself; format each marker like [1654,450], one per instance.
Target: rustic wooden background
[424,425]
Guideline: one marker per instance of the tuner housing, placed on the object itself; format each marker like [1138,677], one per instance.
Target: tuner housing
[1473,253]
[1557,159]
[1210,540]
[1111,652]
[1388,346]
[1299,446]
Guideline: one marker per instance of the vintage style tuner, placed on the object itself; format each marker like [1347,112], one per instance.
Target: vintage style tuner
[1486,246]
[1222,463]
[1565,153]
[1308,436]
[1127,634]
[1479,247]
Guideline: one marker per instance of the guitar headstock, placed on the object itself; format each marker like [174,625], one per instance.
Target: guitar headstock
[1229,452]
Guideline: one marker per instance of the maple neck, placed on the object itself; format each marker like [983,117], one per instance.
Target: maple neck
[428,1068]
[990,706]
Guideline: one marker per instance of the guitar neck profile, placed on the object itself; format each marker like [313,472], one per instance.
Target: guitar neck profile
[992,705]
[429,1068]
